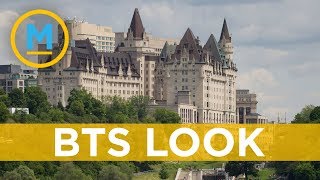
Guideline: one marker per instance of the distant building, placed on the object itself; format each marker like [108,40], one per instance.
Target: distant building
[13,76]
[247,108]
[13,110]
[102,37]
[202,174]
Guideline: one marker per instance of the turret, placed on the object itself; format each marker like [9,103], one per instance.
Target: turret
[87,64]
[91,67]
[225,42]
[102,60]
[129,73]
[120,72]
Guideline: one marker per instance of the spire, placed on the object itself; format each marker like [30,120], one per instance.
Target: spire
[91,67]
[190,43]
[102,60]
[136,26]
[188,35]
[212,48]
[87,64]
[129,73]
[164,50]
[120,72]
[225,32]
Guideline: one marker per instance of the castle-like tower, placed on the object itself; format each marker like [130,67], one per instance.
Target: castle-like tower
[200,81]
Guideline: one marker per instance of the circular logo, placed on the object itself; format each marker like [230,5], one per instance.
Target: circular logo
[32,13]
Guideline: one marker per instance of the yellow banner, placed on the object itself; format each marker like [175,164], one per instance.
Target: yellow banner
[159,142]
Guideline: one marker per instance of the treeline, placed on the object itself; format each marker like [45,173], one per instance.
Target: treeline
[70,170]
[82,108]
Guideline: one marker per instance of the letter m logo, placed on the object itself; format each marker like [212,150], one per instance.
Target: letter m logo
[45,33]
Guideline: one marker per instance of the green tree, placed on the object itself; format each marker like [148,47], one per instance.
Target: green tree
[12,175]
[120,118]
[4,112]
[20,173]
[2,92]
[22,117]
[166,116]
[138,106]
[304,171]
[17,98]
[5,99]
[163,173]
[77,108]
[25,172]
[237,168]
[56,115]
[89,102]
[70,171]
[116,110]
[304,115]
[60,106]
[112,172]
[315,114]
[36,100]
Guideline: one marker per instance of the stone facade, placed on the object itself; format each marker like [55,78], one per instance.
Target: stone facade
[138,41]
[201,77]
[101,74]
[247,108]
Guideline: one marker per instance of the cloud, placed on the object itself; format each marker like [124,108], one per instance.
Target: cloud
[7,19]
[6,53]
[257,79]
[305,69]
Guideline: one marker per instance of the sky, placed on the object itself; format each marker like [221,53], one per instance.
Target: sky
[276,42]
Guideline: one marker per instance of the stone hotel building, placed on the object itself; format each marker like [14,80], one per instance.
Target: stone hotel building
[196,81]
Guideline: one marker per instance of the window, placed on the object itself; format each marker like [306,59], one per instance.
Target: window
[9,83]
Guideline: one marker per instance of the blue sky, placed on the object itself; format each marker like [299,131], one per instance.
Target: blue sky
[276,42]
